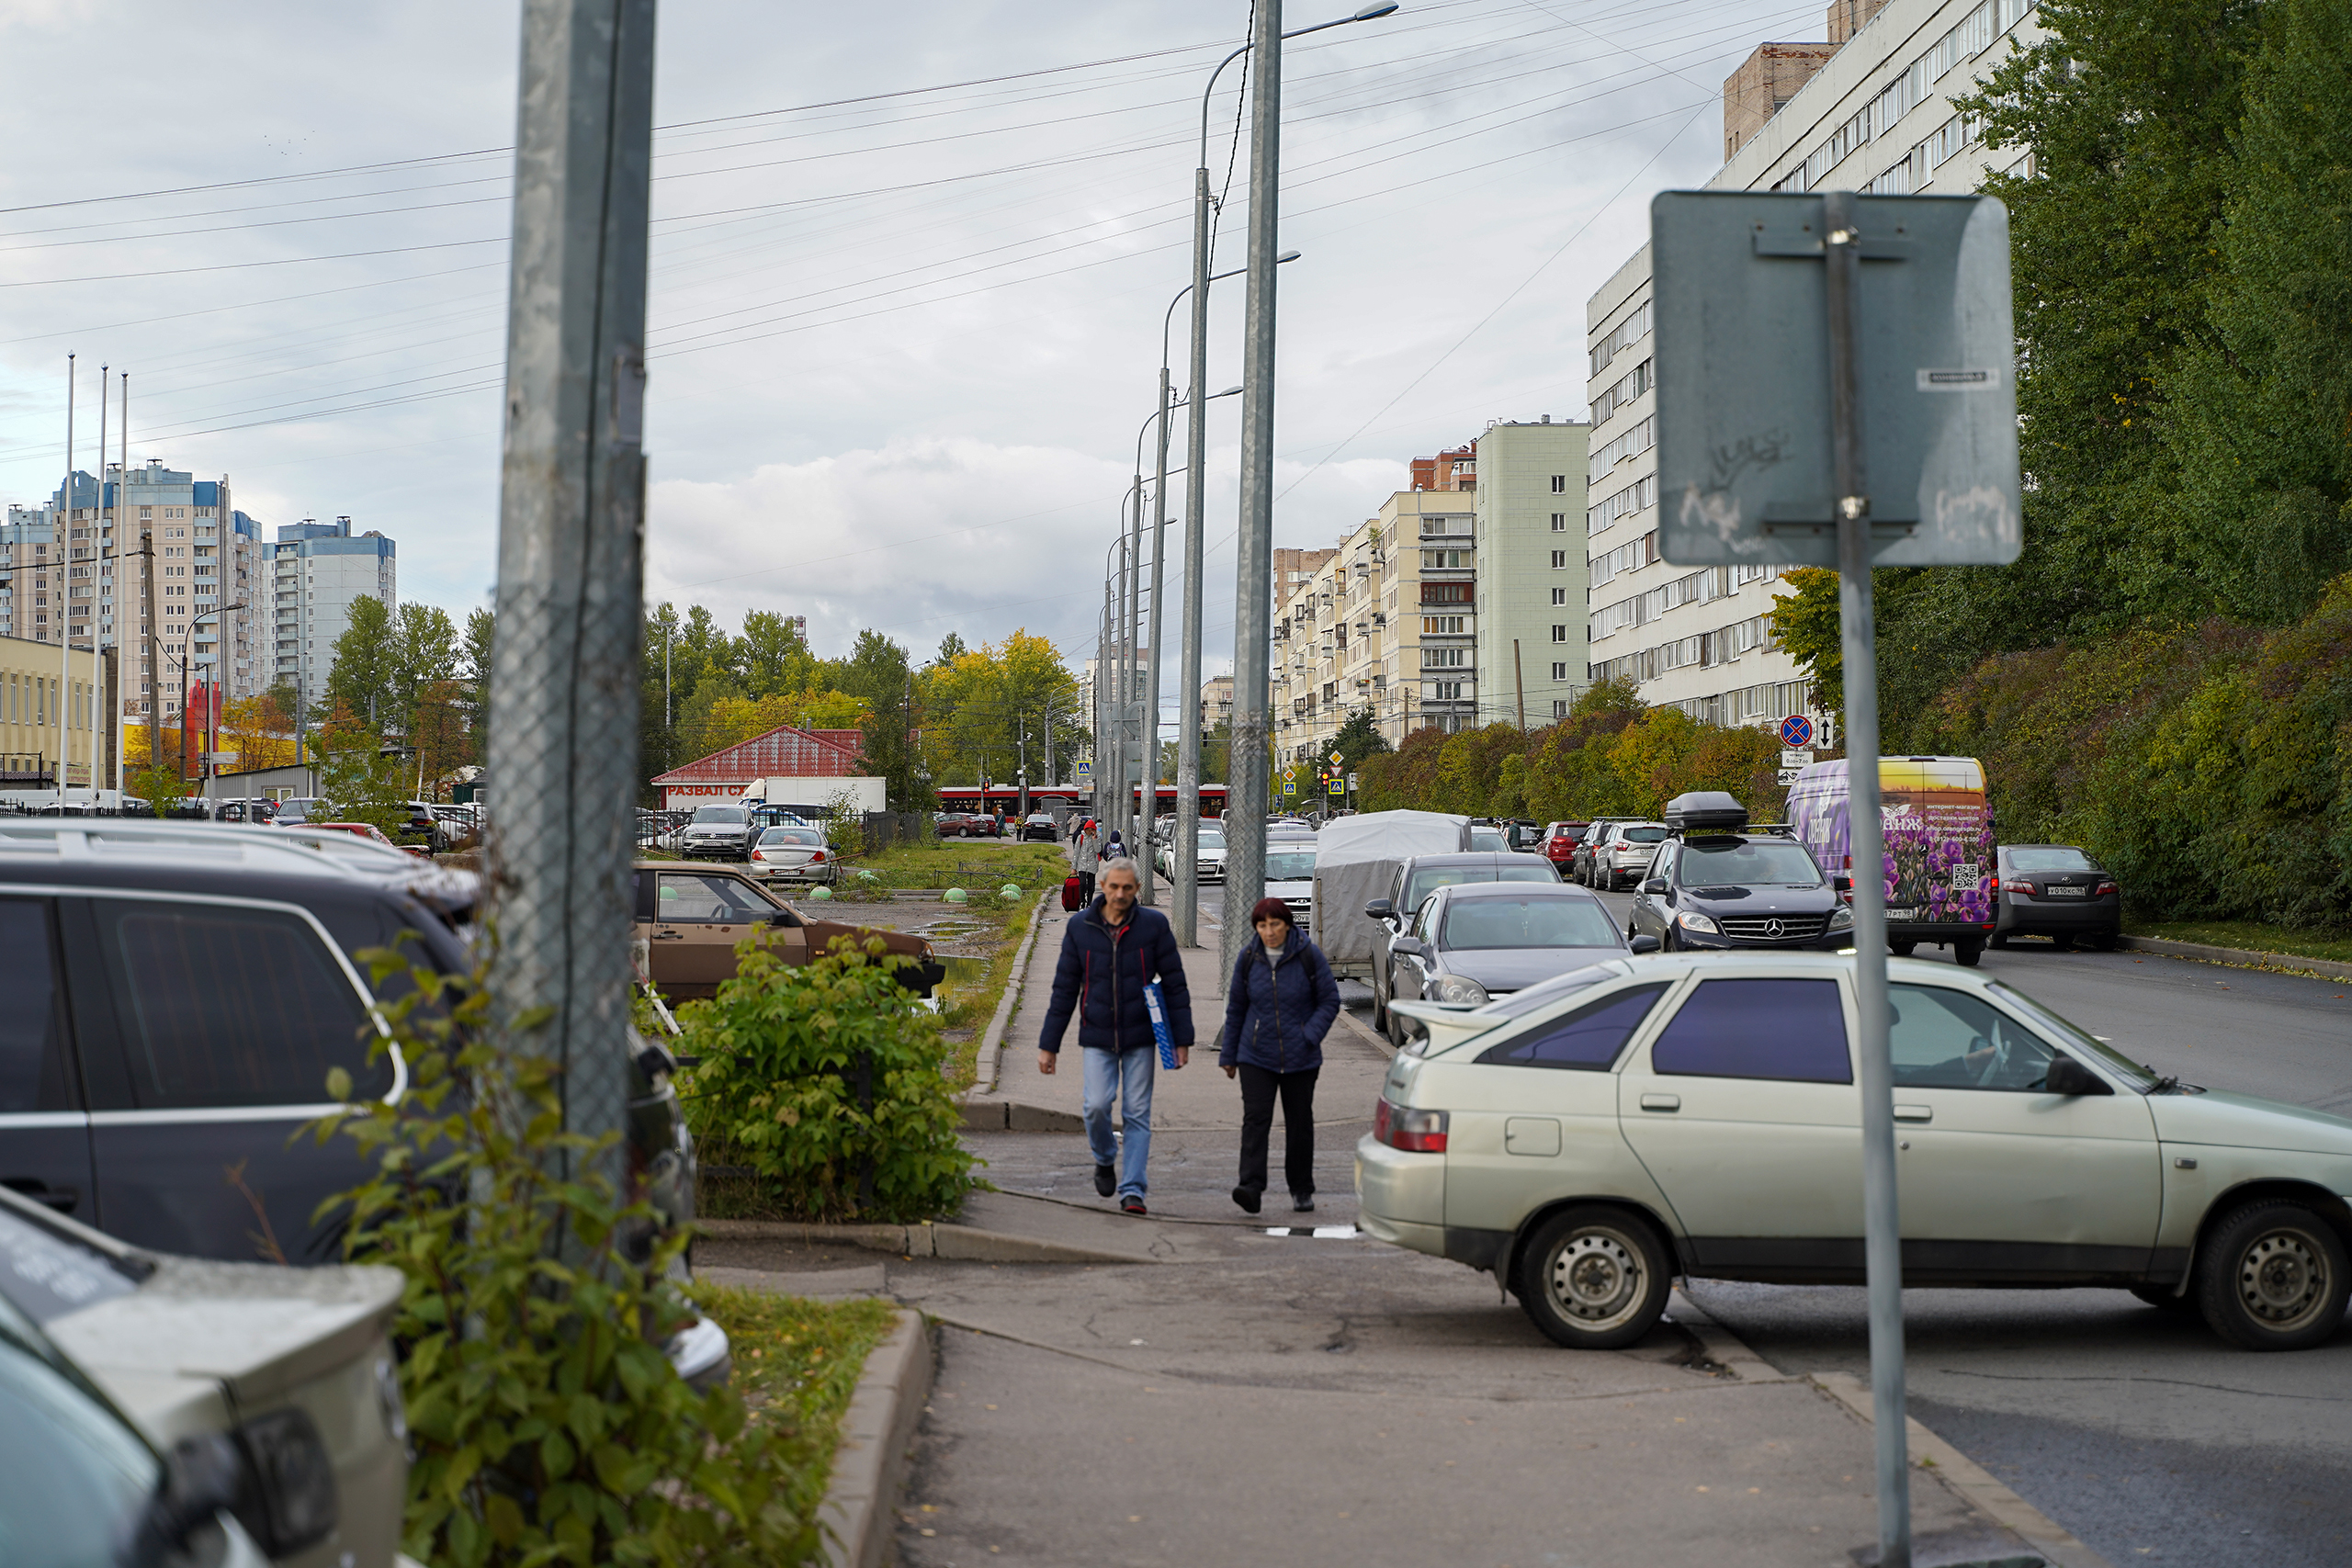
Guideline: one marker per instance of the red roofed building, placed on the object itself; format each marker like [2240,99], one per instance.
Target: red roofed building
[782,752]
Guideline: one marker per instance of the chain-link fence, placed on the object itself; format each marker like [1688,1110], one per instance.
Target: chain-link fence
[890,829]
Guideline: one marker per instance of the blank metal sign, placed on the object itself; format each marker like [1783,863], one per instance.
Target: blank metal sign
[1743,379]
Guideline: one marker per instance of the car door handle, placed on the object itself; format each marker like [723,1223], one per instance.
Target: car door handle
[62,1199]
[669,936]
[1915,1114]
[1661,1102]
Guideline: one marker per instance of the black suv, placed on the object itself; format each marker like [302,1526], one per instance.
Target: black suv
[175,998]
[1713,885]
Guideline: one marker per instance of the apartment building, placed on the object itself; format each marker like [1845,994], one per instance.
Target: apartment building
[208,558]
[1529,604]
[1872,113]
[1216,702]
[35,726]
[319,570]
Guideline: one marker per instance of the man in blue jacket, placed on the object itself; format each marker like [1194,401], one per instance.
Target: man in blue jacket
[1111,950]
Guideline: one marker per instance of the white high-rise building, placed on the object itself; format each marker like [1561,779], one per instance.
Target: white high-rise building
[321,569]
[1870,111]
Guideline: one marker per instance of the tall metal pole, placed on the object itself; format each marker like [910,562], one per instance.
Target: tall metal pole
[563,737]
[1881,1221]
[1131,587]
[98,579]
[1158,587]
[64,595]
[153,611]
[1245,825]
[1188,678]
[122,481]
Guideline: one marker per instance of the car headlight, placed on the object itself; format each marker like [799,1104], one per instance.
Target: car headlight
[1691,920]
[1461,988]
[1841,918]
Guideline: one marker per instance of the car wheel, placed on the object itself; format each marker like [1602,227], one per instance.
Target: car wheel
[1968,955]
[2165,1298]
[1900,949]
[1998,938]
[2273,1277]
[2061,942]
[2105,941]
[1593,1279]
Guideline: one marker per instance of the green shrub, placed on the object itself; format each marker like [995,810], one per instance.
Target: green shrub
[547,1425]
[824,1080]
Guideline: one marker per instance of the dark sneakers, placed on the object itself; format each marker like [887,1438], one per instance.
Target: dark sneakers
[1248,1198]
[1302,1202]
[1132,1203]
[1106,1179]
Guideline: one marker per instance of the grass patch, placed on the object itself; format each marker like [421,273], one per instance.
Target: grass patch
[968,863]
[796,1364]
[969,1004]
[2252,936]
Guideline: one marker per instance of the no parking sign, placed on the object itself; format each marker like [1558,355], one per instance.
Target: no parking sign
[1797,731]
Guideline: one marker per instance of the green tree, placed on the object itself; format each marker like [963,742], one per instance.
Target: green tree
[772,657]
[1358,739]
[878,674]
[1806,624]
[473,674]
[363,678]
[425,660]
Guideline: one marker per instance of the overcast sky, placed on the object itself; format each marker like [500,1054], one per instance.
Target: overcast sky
[909,263]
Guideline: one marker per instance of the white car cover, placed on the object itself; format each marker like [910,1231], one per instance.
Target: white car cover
[1356,858]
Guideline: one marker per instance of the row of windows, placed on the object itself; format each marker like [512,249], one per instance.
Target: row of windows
[1701,587]
[1628,332]
[1628,386]
[1634,442]
[1971,36]
[1630,557]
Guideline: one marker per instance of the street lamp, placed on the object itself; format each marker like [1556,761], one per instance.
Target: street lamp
[1257,439]
[211,708]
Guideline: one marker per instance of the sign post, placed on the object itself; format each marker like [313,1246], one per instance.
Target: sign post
[1764,369]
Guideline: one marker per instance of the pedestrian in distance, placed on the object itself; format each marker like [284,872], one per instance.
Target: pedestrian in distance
[1111,951]
[1280,1004]
[1086,856]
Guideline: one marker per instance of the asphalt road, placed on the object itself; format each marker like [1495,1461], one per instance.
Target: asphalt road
[2135,1427]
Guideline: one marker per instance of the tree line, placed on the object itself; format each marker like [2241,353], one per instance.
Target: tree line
[2164,676]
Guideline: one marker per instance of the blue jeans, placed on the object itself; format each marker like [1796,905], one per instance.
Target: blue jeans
[1126,1075]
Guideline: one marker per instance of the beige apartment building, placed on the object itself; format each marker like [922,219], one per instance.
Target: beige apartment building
[1870,111]
[1529,643]
[35,727]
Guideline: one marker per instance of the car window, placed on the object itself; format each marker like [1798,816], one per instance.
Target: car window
[2084,1043]
[735,815]
[1424,883]
[792,835]
[1587,1040]
[2050,860]
[228,1006]
[687,899]
[76,1477]
[1642,835]
[1289,865]
[32,1024]
[1424,919]
[1522,869]
[1947,1039]
[1774,862]
[1210,840]
[1488,839]
[1573,921]
[1789,1029]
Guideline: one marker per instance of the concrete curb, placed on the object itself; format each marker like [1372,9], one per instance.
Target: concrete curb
[992,1042]
[2237,957]
[1969,1479]
[1365,1032]
[870,1462]
[969,1244]
[987,1114]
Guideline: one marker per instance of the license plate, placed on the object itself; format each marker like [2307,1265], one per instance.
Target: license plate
[1903,914]
[2070,892]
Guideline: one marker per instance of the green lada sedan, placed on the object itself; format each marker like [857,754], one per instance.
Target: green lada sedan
[1590,1138]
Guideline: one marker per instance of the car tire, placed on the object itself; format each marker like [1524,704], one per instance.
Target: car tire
[1968,955]
[2166,1299]
[1900,949]
[1594,1279]
[1999,940]
[2061,942]
[2273,1277]
[2105,941]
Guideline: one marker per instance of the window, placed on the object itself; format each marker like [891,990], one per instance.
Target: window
[709,901]
[1442,625]
[231,1006]
[1943,1039]
[1446,560]
[2052,859]
[1445,691]
[1491,924]
[1793,1030]
[1559,563]
[1443,658]
[1585,1041]
[1559,633]
[1559,484]
[1560,704]
[1559,596]
[1560,671]
[1559,522]
[32,1043]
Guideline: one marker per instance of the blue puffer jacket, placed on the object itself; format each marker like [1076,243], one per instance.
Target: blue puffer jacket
[1277,1014]
[1101,976]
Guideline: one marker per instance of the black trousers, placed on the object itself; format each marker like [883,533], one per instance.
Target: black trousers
[1085,888]
[1258,1088]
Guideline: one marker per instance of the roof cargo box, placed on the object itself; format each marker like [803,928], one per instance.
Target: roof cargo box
[1705,811]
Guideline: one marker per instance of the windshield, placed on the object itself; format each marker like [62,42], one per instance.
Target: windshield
[1487,838]
[792,835]
[2059,859]
[733,813]
[1289,865]
[1543,993]
[73,1475]
[1774,862]
[1527,922]
[2138,1076]
[1642,835]
[1211,840]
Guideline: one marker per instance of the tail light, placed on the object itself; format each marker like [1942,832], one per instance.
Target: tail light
[759,854]
[1415,1132]
[2019,884]
[1992,884]
[817,857]
[2104,888]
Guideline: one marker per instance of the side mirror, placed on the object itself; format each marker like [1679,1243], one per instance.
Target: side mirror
[1381,910]
[1842,883]
[2071,1078]
[1654,887]
[1412,946]
[1641,945]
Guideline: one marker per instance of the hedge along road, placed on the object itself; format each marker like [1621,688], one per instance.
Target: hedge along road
[2147,1436]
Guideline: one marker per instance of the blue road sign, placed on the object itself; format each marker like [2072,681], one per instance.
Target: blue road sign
[1797,731]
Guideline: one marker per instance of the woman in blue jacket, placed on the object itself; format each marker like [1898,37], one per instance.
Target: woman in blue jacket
[1280,1002]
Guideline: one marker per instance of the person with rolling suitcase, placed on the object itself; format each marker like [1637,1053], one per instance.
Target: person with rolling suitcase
[1086,856]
